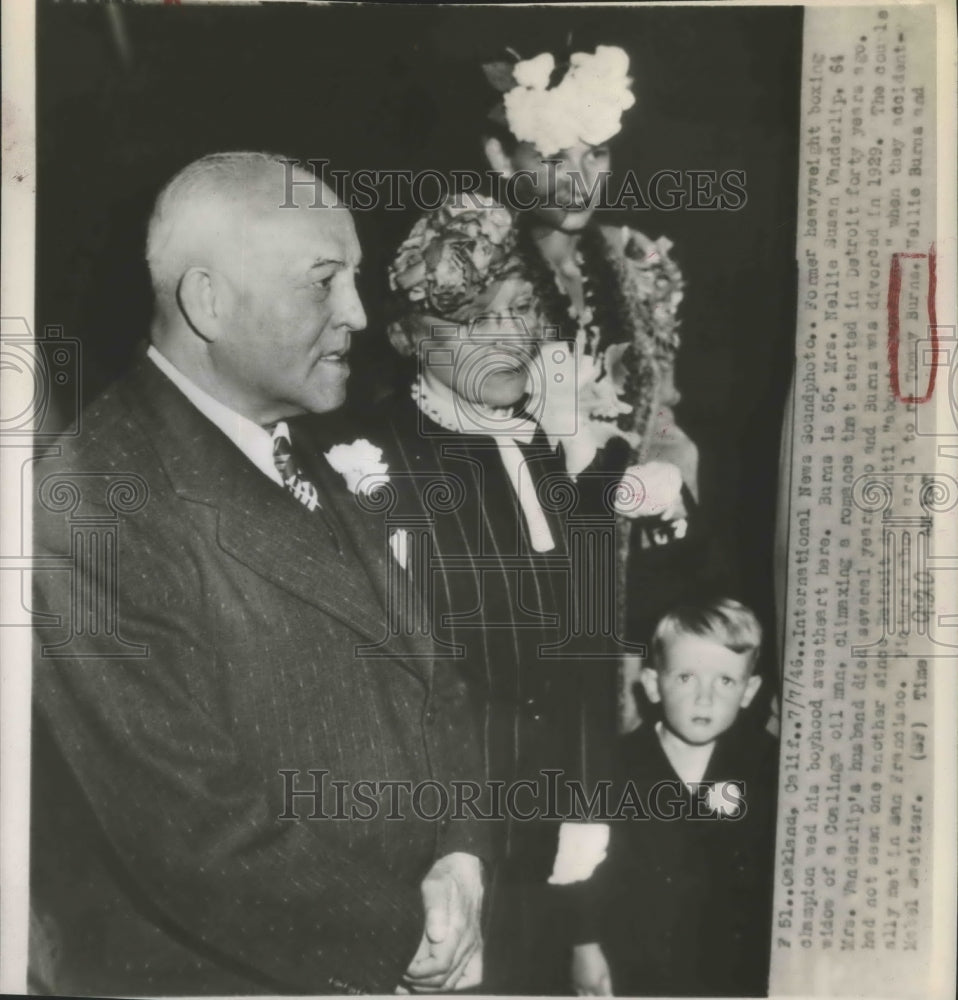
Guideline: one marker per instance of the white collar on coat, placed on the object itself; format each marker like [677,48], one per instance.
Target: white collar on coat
[441,405]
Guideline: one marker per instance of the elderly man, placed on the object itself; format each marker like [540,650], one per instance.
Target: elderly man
[178,736]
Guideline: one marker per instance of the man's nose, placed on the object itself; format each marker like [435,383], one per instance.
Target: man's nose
[703,694]
[351,312]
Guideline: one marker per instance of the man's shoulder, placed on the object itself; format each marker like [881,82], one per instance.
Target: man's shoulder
[108,430]
[109,467]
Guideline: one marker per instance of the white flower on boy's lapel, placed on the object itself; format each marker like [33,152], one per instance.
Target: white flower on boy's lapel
[726,798]
[360,464]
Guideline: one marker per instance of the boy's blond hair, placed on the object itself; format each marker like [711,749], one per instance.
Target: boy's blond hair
[729,623]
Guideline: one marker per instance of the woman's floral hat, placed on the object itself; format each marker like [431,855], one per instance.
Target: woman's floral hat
[453,254]
[555,106]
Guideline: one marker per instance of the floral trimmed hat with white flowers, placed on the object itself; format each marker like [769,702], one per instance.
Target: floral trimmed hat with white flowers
[453,254]
[554,105]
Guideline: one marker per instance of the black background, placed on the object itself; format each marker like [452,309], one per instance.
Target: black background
[127,95]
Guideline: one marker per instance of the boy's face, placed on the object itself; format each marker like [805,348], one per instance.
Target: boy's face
[701,685]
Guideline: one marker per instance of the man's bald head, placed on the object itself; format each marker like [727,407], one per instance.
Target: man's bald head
[253,264]
[205,209]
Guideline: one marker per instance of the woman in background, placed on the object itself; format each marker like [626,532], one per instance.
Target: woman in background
[613,293]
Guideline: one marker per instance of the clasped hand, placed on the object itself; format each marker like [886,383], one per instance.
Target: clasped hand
[590,971]
[449,956]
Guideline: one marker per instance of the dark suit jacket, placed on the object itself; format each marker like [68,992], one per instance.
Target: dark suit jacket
[682,903]
[501,605]
[160,863]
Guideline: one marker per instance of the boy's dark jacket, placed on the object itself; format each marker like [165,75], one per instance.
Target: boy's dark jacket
[683,906]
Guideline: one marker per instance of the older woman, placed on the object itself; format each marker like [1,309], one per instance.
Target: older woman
[479,520]
[468,420]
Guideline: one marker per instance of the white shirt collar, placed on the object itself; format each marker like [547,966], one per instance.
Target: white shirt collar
[444,407]
[255,442]
[438,402]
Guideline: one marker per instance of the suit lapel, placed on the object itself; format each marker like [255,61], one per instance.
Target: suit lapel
[259,523]
[368,534]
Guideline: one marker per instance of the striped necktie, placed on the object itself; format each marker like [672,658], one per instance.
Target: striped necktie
[287,466]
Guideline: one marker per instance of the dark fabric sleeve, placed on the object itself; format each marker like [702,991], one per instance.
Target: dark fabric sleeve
[460,764]
[193,828]
[587,903]
[597,724]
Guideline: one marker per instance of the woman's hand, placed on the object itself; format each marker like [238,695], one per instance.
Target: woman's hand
[653,489]
[590,971]
[577,407]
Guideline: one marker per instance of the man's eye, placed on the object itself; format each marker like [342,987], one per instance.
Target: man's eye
[685,678]
[727,681]
[325,283]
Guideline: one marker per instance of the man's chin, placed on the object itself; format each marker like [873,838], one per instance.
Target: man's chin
[326,399]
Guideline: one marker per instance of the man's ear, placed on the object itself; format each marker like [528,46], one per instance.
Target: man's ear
[201,301]
[650,681]
[751,689]
[497,157]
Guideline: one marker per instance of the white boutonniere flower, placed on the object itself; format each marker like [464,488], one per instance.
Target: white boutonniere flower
[360,464]
[726,798]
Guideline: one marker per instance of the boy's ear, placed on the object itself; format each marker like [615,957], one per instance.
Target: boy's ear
[497,157]
[751,689]
[650,681]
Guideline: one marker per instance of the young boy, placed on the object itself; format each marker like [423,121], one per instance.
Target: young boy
[682,903]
